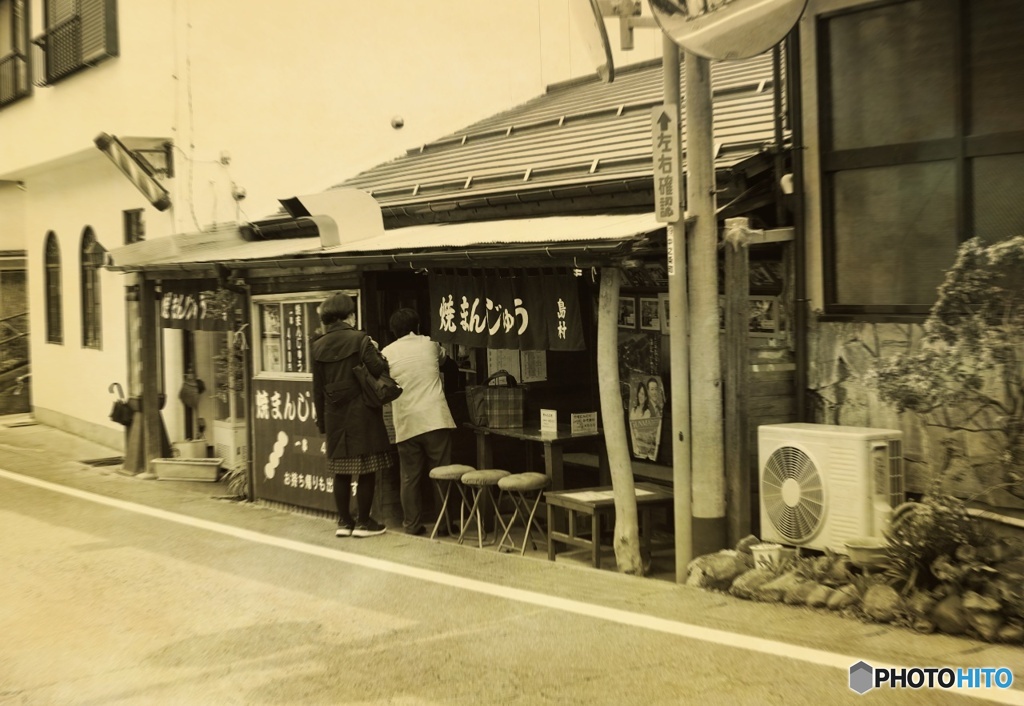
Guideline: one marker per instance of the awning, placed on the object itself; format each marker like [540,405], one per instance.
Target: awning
[449,243]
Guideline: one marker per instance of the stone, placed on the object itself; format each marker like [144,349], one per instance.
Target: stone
[744,545]
[839,573]
[948,615]
[985,624]
[745,584]
[881,603]
[819,595]
[972,601]
[920,605]
[843,597]
[1012,633]
[716,571]
[776,589]
[798,593]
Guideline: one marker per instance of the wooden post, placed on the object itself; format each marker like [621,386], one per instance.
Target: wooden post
[627,535]
[679,346]
[152,434]
[737,379]
[709,526]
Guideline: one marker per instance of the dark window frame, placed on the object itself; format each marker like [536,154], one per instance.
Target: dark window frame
[15,64]
[91,256]
[959,150]
[54,290]
[74,41]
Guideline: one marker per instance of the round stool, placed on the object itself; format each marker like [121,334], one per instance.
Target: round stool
[526,490]
[444,478]
[482,484]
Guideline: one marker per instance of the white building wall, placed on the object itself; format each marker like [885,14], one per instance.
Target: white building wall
[70,382]
[278,100]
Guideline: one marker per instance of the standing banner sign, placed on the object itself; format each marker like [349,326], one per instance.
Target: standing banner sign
[532,312]
[288,456]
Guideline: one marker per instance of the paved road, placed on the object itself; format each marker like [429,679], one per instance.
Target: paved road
[105,601]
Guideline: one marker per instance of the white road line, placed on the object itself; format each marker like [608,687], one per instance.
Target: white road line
[694,632]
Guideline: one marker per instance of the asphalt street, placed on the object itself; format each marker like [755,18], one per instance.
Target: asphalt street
[121,590]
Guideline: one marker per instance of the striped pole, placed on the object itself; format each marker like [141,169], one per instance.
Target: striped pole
[133,168]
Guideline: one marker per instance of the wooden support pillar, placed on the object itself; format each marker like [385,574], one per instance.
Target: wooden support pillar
[627,533]
[736,362]
[149,334]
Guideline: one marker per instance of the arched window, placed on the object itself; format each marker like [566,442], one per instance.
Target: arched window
[92,254]
[54,320]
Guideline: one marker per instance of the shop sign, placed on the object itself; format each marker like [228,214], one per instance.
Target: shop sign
[188,307]
[289,453]
[533,312]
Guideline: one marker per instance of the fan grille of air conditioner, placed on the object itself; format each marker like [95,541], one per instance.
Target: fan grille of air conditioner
[793,494]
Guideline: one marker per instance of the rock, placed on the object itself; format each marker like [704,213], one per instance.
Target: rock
[745,584]
[923,625]
[986,624]
[776,589]
[972,601]
[839,573]
[881,603]
[843,597]
[744,545]
[948,615]
[920,605]
[797,594]
[716,571]
[819,595]
[1012,633]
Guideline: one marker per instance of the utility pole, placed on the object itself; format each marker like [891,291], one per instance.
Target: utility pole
[679,346]
[709,526]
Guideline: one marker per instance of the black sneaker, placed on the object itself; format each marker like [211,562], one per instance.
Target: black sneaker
[416,531]
[344,530]
[370,528]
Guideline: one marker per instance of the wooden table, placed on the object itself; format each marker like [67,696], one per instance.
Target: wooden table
[553,442]
[599,505]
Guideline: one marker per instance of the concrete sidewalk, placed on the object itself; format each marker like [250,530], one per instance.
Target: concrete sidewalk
[49,455]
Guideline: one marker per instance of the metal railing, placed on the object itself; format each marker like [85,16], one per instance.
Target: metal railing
[13,341]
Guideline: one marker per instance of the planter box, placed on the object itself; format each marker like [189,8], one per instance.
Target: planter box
[191,449]
[201,469]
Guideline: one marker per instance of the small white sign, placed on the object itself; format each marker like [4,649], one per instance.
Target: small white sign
[585,423]
[549,421]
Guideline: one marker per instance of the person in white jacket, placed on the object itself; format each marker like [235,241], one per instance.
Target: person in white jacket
[422,419]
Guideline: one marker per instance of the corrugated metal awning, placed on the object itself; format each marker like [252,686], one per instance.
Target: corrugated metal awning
[439,242]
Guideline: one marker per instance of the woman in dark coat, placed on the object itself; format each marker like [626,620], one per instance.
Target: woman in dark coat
[357,441]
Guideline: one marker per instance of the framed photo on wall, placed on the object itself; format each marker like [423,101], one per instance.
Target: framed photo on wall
[627,313]
[663,311]
[650,314]
[764,314]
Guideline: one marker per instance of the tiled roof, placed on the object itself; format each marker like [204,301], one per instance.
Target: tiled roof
[578,132]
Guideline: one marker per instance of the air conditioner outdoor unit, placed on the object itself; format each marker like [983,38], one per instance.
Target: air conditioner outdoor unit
[230,442]
[822,484]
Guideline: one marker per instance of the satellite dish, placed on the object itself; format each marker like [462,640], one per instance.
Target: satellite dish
[586,16]
[727,29]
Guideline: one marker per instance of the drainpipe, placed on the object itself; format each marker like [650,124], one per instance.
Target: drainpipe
[800,314]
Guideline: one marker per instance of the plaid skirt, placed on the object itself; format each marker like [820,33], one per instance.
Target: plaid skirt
[360,465]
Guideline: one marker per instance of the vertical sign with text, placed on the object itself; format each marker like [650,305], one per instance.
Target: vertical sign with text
[667,171]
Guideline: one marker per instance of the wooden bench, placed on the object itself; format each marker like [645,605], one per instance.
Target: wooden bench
[599,504]
[641,469]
